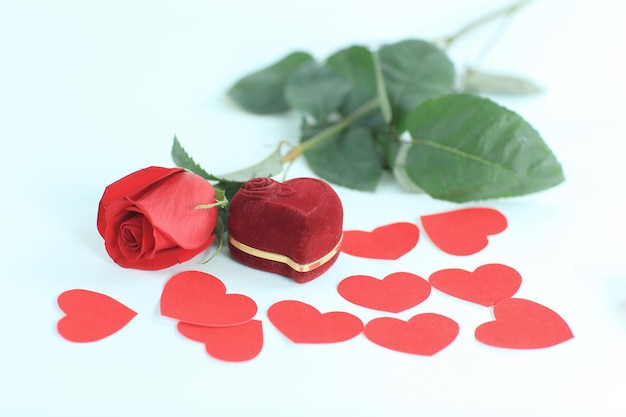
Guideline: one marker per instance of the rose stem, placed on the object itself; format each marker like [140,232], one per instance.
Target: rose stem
[373,104]
[506,11]
[331,131]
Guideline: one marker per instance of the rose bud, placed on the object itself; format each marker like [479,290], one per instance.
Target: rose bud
[149,219]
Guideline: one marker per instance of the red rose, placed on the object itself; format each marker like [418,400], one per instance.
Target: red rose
[148,219]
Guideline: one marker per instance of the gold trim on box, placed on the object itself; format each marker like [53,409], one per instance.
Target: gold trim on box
[277,257]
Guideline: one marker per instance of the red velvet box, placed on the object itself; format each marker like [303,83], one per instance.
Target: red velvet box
[292,228]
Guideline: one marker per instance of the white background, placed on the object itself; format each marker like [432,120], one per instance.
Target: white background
[91,91]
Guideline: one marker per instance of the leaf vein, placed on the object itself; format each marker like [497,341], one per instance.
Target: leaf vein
[467,155]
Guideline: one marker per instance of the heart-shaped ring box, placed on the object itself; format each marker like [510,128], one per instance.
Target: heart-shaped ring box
[293,228]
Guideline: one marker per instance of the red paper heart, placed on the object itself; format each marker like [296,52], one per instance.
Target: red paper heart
[463,232]
[394,293]
[523,324]
[302,323]
[385,242]
[487,285]
[232,343]
[90,316]
[424,334]
[198,298]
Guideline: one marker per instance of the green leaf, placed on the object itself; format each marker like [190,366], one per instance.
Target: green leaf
[387,142]
[399,168]
[228,189]
[469,148]
[349,159]
[488,83]
[262,92]
[381,92]
[267,167]
[220,196]
[183,160]
[356,64]
[317,90]
[225,190]
[414,71]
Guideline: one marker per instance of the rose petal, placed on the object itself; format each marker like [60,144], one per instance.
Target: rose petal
[148,244]
[130,237]
[161,259]
[153,239]
[118,218]
[130,186]
[170,206]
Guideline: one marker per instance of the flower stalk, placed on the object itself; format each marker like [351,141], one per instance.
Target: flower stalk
[331,131]
[504,12]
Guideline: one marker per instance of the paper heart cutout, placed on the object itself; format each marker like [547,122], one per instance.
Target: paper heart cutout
[385,242]
[199,298]
[487,285]
[90,316]
[423,334]
[233,343]
[465,231]
[303,323]
[394,293]
[523,324]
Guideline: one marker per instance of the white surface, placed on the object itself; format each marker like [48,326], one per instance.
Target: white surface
[92,91]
